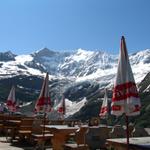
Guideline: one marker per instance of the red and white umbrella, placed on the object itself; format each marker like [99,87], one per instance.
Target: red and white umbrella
[43,103]
[62,106]
[125,98]
[11,100]
[125,95]
[104,108]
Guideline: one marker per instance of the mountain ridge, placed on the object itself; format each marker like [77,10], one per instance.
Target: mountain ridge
[81,76]
[81,64]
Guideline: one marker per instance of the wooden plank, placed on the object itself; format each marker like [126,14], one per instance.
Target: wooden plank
[139,143]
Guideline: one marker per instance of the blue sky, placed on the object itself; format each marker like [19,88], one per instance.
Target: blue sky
[29,25]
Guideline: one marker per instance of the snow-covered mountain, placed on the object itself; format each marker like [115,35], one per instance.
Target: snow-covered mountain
[80,75]
[80,65]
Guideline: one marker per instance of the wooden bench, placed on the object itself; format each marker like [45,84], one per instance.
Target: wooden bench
[10,126]
[25,128]
[75,146]
[1,127]
[17,127]
[96,137]
[139,132]
[41,139]
[136,143]
[39,134]
[117,132]
[79,139]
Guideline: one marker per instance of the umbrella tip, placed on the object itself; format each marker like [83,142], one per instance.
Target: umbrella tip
[122,37]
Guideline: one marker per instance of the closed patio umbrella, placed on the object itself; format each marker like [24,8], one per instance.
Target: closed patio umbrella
[43,103]
[62,107]
[104,108]
[125,99]
[11,101]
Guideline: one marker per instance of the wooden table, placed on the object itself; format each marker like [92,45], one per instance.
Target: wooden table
[60,133]
[136,143]
[11,127]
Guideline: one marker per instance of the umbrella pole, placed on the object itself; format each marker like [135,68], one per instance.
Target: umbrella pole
[127,131]
[44,122]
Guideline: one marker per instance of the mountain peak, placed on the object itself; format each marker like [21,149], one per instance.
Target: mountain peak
[7,56]
[44,49]
[45,52]
[79,51]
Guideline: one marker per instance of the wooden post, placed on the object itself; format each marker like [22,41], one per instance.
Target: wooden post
[127,131]
[43,139]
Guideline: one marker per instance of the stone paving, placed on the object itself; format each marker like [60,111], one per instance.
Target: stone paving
[4,145]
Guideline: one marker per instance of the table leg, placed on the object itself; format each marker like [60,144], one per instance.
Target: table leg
[58,141]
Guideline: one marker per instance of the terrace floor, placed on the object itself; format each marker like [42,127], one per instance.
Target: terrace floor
[4,145]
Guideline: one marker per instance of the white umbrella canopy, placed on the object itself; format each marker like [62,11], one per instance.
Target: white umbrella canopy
[125,95]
